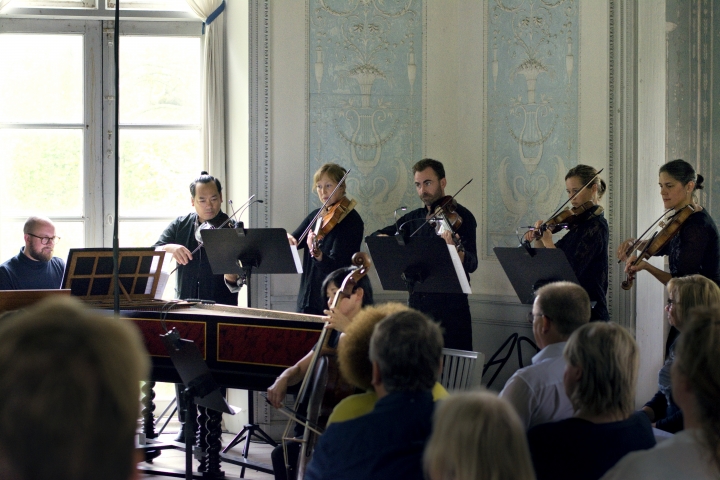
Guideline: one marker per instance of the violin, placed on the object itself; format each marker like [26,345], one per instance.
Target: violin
[648,248]
[335,214]
[565,219]
[328,388]
[445,217]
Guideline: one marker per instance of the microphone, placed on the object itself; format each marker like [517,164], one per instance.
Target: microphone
[397,229]
[248,205]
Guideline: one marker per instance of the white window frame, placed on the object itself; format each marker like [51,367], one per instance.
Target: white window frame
[99,104]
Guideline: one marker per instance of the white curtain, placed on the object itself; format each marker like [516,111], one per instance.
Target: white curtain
[213,92]
[3,4]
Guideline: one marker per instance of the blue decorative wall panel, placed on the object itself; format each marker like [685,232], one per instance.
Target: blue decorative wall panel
[532,112]
[365,99]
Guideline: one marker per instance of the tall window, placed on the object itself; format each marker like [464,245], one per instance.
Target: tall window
[57,128]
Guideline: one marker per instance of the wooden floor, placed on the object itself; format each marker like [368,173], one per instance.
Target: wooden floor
[175,459]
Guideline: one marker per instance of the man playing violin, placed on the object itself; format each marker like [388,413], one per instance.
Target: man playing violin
[338,244]
[194,275]
[450,309]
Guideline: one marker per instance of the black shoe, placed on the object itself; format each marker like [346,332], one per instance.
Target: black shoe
[180,437]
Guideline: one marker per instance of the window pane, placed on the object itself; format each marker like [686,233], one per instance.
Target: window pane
[41,78]
[41,171]
[156,168]
[160,80]
[11,238]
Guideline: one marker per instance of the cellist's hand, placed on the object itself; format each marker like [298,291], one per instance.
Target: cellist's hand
[277,391]
[622,251]
[336,320]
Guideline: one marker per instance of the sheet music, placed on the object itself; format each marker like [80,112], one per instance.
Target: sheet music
[296,257]
[459,269]
[162,280]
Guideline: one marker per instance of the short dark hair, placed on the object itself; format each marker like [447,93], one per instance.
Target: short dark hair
[566,304]
[407,347]
[336,278]
[429,162]
[683,172]
[69,388]
[204,178]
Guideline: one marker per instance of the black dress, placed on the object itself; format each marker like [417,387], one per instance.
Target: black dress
[586,248]
[695,249]
[451,310]
[337,247]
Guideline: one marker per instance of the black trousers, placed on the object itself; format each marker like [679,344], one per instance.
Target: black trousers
[452,311]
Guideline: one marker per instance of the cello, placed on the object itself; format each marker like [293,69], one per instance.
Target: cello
[322,382]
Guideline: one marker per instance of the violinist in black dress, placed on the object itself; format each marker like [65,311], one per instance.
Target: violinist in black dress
[335,250]
[451,310]
[586,242]
[695,248]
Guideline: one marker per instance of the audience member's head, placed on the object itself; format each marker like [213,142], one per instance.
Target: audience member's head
[69,390]
[601,373]
[559,309]
[355,365]
[406,353]
[686,293]
[477,436]
[696,376]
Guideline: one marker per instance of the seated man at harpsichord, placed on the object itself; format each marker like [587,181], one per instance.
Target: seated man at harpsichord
[387,443]
[34,268]
[69,389]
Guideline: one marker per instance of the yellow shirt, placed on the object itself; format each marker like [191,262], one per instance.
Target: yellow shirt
[362,403]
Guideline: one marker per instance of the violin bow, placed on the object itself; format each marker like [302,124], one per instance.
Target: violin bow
[441,206]
[312,222]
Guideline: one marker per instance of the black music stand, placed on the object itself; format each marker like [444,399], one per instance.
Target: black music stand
[245,251]
[530,268]
[202,390]
[417,264]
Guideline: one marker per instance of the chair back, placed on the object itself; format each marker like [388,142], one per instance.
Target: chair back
[462,370]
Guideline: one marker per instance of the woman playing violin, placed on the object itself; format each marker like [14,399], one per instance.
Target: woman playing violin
[339,318]
[696,247]
[586,243]
[338,244]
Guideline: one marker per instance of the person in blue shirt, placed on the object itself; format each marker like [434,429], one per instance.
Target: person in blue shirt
[34,268]
[388,442]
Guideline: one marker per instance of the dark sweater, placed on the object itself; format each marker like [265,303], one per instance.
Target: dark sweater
[22,273]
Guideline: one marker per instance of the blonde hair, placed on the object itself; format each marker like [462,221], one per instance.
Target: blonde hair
[697,357]
[608,357]
[334,171]
[69,390]
[477,436]
[689,292]
[353,357]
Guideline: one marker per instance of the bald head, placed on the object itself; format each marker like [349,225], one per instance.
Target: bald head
[39,233]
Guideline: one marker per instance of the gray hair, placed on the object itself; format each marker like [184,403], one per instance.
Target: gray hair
[566,304]
[407,347]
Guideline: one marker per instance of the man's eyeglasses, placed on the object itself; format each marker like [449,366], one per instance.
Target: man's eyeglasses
[531,316]
[46,240]
[670,302]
